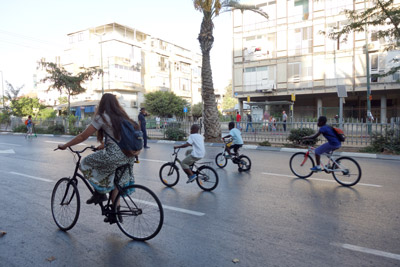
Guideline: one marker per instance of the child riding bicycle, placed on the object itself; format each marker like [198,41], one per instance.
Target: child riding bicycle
[192,155]
[237,141]
[332,144]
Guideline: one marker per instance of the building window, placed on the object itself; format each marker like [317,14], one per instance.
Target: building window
[294,72]
[259,78]
[300,41]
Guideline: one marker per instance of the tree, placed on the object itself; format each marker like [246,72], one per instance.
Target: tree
[12,93]
[210,10]
[24,106]
[383,16]
[63,80]
[228,101]
[165,104]
[197,110]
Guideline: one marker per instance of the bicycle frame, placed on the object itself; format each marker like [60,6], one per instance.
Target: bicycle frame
[331,159]
[176,159]
[120,170]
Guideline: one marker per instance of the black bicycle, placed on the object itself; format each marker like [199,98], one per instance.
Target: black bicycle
[138,214]
[243,161]
[207,177]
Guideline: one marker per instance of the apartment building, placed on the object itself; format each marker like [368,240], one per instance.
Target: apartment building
[286,63]
[134,63]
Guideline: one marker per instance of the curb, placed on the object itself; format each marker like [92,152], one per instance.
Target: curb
[250,147]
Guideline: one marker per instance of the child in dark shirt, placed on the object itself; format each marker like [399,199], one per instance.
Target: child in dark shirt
[332,144]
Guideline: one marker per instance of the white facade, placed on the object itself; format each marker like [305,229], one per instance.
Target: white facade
[134,63]
[287,55]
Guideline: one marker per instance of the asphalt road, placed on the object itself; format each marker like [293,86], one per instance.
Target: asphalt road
[265,217]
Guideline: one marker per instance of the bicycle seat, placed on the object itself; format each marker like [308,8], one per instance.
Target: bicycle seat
[119,171]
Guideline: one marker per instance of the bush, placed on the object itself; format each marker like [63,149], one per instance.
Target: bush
[20,129]
[56,129]
[175,134]
[389,141]
[297,134]
[76,130]
[265,143]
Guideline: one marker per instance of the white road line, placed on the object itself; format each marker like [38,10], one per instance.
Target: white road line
[8,151]
[191,212]
[153,160]
[369,251]
[32,177]
[54,142]
[317,179]
[8,144]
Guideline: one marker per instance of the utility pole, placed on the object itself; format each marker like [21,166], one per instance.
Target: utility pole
[2,87]
[101,60]
[369,114]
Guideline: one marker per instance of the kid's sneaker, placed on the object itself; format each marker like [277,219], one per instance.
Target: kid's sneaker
[316,168]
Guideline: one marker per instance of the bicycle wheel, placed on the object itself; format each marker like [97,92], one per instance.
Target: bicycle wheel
[301,164]
[244,163]
[207,178]
[169,174]
[220,160]
[65,204]
[346,171]
[140,214]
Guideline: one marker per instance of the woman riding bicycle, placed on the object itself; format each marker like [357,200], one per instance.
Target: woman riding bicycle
[237,141]
[99,167]
[332,144]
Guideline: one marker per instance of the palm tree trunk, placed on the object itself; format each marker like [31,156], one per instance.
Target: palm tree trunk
[212,128]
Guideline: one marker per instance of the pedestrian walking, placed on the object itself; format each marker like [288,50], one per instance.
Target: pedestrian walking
[158,120]
[249,123]
[284,119]
[142,122]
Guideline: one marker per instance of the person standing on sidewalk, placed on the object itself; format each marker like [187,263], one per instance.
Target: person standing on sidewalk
[249,123]
[142,122]
[238,119]
[284,119]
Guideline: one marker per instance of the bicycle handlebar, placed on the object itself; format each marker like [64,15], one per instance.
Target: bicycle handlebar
[176,150]
[93,148]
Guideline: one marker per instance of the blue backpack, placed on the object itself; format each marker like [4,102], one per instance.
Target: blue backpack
[131,140]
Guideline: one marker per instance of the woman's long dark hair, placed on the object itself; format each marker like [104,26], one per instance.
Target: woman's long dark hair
[110,105]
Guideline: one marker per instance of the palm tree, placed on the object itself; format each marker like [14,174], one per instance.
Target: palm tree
[210,10]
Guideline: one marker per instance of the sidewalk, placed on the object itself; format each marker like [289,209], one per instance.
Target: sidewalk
[254,147]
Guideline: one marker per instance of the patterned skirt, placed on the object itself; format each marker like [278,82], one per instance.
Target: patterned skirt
[99,168]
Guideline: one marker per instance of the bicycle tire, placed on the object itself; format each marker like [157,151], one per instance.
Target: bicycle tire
[65,204]
[169,174]
[244,163]
[220,160]
[350,175]
[300,165]
[207,178]
[140,215]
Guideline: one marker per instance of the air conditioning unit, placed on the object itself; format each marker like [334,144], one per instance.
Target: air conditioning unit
[134,104]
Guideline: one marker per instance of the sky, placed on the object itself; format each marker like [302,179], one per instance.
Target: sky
[30,29]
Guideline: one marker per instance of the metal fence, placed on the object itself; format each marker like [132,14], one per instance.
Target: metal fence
[358,133]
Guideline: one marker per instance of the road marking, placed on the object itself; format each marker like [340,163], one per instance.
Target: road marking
[8,151]
[191,212]
[369,251]
[54,142]
[317,179]
[153,160]
[32,177]
[8,144]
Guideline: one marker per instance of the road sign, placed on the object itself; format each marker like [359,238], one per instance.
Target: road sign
[341,91]
[185,109]
[293,97]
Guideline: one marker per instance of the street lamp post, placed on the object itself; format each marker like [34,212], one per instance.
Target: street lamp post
[2,87]
[101,61]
